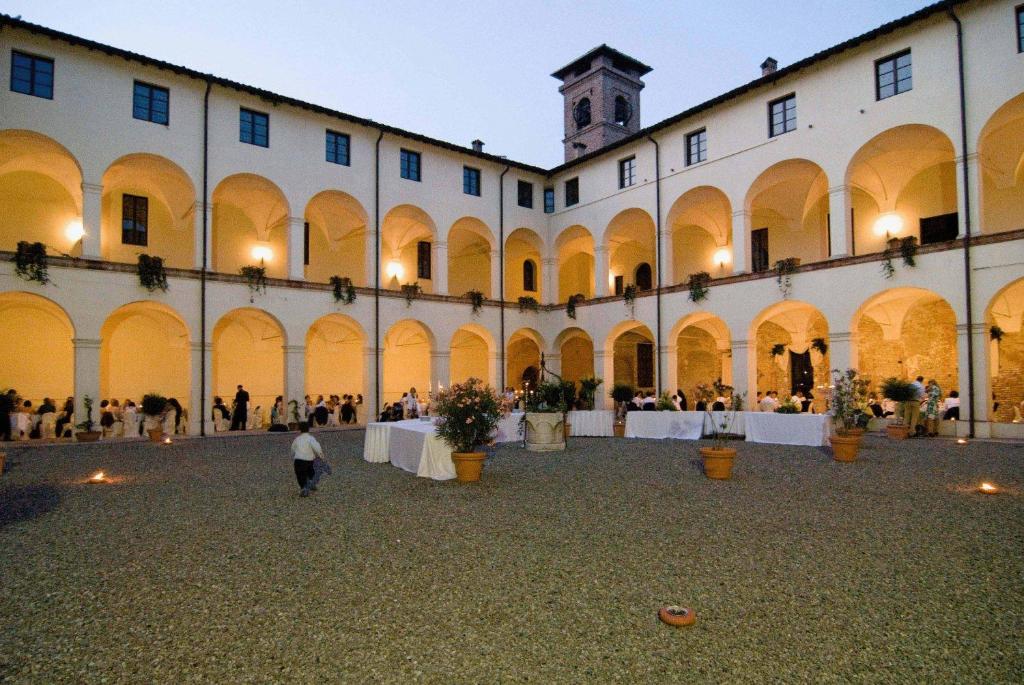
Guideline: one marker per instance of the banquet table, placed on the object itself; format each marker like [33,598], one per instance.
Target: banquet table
[596,423]
[412,446]
[681,425]
[787,429]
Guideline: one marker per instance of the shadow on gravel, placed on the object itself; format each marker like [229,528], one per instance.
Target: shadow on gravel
[27,502]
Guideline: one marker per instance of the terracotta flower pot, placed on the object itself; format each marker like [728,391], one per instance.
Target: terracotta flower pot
[718,462]
[468,466]
[677,616]
[567,426]
[897,431]
[156,434]
[845,446]
[619,429]
[87,436]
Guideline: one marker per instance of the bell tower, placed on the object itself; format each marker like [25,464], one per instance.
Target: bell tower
[602,99]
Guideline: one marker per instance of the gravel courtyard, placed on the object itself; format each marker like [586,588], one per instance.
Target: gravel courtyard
[202,564]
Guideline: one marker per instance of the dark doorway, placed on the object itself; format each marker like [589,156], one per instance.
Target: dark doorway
[759,250]
[801,372]
[645,365]
[529,378]
[644,279]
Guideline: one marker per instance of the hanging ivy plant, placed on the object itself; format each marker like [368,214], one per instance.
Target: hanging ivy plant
[698,285]
[995,333]
[784,269]
[476,298]
[908,251]
[344,291]
[152,276]
[778,350]
[629,295]
[528,303]
[256,279]
[820,345]
[30,262]
[888,270]
[570,305]
[411,291]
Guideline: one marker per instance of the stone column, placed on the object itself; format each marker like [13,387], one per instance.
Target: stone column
[601,271]
[604,367]
[370,261]
[553,363]
[440,370]
[296,248]
[294,372]
[496,274]
[549,274]
[666,267]
[840,353]
[439,270]
[982,384]
[370,409]
[87,378]
[494,371]
[974,177]
[741,242]
[839,222]
[670,369]
[199,390]
[92,212]
[202,210]
[744,371]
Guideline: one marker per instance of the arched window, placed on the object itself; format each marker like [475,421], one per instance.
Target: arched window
[643,277]
[529,276]
[581,113]
[623,110]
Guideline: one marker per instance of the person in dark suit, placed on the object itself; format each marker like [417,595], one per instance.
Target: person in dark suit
[241,415]
[7,401]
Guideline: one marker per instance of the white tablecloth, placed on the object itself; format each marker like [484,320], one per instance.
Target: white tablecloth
[787,429]
[598,423]
[681,425]
[508,428]
[410,445]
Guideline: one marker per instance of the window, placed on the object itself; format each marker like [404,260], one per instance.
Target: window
[471,181]
[938,229]
[529,276]
[759,249]
[549,200]
[643,278]
[619,285]
[892,75]
[627,172]
[423,259]
[782,115]
[644,365]
[526,194]
[305,243]
[32,75]
[254,128]
[151,103]
[696,147]
[581,113]
[134,220]
[1020,29]
[337,148]
[572,192]
[623,110]
[410,162]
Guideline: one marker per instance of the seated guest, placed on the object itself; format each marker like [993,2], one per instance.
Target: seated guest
[769,403]
[888,407]
[348,410]
[873,406]
[106,418]
[66,416]
[21,422]
[701,406]
[638,400]
[951,406]
[682,399]
[221,415]
[757,401]
[46,407]
[649,402]
[718,405]
[675,402]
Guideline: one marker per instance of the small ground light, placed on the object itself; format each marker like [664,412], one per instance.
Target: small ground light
[167,441]
[98,477]
[988,488]
[961,441]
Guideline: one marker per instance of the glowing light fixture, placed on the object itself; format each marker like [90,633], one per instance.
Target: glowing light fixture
[74,231]
[98,477]
[262,253]
[167,441]
[888,224]
[722,257]
[961,441]
[988,489]
[395,269]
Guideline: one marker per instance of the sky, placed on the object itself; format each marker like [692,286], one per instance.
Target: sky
[464,70]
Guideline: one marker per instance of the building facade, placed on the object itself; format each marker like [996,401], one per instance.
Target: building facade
[785,192]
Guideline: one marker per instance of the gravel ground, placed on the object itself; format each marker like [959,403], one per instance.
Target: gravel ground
[202,564]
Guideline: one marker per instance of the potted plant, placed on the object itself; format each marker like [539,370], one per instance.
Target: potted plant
[787,407]
[849,399]
[629,296]
[528,304]
[293,415]
[255,278]
[698,285]
[545,412]
[152,275]
[469,414]
[620,394]
[86,433]
[901,392]
[30,262]
[476,298]
[343,289]
[153,407]
[664,403]
[570,304]
[410,291]
[718,459]
[784,270]
[588,390]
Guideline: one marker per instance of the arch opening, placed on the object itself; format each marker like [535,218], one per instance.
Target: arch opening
[335,238]
[250,225]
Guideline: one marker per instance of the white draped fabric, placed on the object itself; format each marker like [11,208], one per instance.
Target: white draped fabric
[412,446]
[508,428]
[597,423]
[681,425]
[788,429]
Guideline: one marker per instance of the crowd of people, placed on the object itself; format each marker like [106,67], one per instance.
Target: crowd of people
[336,410]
